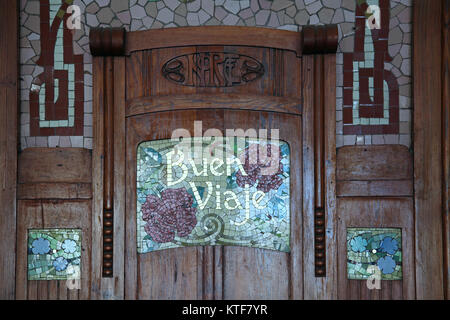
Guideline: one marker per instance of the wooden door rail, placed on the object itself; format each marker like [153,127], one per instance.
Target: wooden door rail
[214,101]
[117,42]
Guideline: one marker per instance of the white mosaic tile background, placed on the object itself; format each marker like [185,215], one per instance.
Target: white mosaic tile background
[281,14]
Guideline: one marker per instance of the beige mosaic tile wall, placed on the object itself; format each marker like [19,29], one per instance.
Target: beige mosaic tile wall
[146,14]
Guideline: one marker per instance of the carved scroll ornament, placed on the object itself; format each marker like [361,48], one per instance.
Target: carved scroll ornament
[212,69]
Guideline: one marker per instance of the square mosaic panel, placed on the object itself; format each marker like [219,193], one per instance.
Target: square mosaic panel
[54,254]
[223,200]
[374,250]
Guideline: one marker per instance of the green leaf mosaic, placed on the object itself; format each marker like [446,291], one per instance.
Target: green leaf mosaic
[223,200]
[54,254]
[374,250]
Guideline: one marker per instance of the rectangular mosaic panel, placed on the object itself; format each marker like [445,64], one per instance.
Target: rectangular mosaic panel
[222,197]
[371,92]
[374,251]
[57,93]
[54,254]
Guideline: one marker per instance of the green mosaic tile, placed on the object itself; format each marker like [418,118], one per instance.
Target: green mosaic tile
[370,249]
[223,200]
[54,254]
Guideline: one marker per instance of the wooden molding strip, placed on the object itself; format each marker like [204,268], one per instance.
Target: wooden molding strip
[55,165]
[330,284]
[9,81]
[375,188]
[374,162]
[108,169]
[31,191]
[214,35]
[428,171]
[446,140]
[216,101]
[319,168]
[116,41]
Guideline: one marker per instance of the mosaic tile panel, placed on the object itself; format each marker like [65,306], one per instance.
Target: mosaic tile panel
[57,93]
[54,254]
[373,96]
[374,250]
[133,15]
[226,199]
[371,104]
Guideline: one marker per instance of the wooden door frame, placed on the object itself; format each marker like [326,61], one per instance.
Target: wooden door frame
[9,75]
[316,45]
[431,148]
[446,138]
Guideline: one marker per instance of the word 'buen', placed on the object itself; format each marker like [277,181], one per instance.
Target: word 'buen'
[212,69]
[231,200]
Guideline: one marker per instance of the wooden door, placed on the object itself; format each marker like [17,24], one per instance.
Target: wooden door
[207,82]
[229,272]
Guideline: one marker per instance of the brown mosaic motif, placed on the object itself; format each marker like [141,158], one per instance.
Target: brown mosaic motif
[59,90]
[371,93]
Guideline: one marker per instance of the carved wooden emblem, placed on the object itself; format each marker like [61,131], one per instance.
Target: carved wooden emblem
[212,69]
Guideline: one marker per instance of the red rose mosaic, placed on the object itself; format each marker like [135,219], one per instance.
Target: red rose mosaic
[254,168]
[170,215]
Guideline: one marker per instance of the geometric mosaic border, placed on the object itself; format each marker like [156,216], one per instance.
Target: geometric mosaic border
[139,15]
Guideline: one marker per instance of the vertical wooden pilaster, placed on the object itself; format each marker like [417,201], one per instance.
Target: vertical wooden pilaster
[428,149]
[319,151]
[108,177]
[9,56]
[446,141]
[108,172]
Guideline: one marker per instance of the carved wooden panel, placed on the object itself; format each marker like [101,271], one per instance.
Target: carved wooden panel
[382,213]
[53,214]
[247,272]
[269,73]
[54,192]
[212,69]
[169,79]
[374,190]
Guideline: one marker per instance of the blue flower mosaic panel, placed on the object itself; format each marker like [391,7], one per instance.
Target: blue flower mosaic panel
[374,251]
[54,254]
[219,199]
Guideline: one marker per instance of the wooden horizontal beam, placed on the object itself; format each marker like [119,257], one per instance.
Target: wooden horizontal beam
[375,188]
[116,41]
[53,165]
[214,101]
[376,162]
[31,191]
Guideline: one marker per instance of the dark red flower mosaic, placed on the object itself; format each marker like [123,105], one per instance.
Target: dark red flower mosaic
[169,216]
[254,169]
